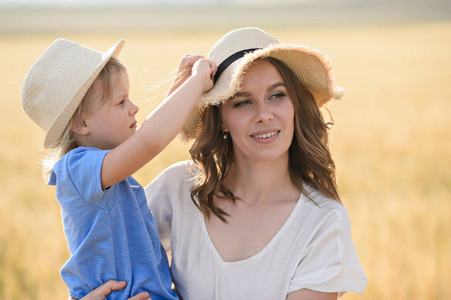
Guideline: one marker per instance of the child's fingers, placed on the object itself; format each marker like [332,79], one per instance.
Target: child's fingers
[209,66]
[205,66]
[184,72]
[189,60]
[213,67]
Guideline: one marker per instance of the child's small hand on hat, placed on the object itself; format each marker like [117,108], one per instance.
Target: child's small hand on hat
[186,64]
[183,71]
[206,69]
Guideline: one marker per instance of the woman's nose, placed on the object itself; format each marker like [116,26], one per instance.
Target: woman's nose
[264,113]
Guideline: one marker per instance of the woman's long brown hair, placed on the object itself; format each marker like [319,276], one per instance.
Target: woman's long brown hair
[310,161]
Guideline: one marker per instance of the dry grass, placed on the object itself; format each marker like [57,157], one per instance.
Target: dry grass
[391,144]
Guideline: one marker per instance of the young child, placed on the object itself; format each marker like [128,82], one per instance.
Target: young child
[80,97]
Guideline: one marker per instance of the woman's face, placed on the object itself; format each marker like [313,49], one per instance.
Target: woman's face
[260,118]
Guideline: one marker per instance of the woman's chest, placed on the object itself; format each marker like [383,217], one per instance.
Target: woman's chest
[248,230]
[200,273]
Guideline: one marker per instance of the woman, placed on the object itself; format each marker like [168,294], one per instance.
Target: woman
[257,214]
[271,224]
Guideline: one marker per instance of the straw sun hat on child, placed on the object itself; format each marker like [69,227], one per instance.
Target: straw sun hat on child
[233,54]
[58,81]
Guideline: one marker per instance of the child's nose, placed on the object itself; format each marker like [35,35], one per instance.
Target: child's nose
[134,109]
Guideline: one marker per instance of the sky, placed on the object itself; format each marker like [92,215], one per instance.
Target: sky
[102,3]
[67,4]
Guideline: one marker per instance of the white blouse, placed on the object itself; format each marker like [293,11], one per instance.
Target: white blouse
[312,250]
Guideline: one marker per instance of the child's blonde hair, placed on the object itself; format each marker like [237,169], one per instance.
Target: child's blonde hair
[68,140]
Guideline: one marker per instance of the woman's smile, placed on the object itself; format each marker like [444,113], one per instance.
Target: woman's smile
[265,137]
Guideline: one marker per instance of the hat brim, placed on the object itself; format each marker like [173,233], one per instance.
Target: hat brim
[58,126]
[311,66]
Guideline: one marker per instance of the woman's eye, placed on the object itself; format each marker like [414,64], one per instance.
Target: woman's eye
[241,103]
[277,95]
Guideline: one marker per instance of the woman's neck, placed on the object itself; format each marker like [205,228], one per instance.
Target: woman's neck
[260,181]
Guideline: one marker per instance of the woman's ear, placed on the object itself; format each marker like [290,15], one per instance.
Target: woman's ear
[224,127]
[79,126]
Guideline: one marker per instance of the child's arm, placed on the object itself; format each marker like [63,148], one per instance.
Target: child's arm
[159,128]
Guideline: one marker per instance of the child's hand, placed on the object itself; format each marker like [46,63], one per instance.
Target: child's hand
[183,71]
[204,69]
[186,64]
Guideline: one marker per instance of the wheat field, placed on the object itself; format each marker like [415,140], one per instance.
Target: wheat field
[391,144]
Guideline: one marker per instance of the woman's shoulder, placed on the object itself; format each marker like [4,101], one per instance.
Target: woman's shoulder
[325,214]
[174,182]
[181,168]
[323,204]
[179,172]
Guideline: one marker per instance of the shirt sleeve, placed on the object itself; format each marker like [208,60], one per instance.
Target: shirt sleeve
[330,262]
[79,173]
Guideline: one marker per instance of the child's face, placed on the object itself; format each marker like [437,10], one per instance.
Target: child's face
[113,122]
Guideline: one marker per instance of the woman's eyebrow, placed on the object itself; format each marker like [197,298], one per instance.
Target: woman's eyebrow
[269,88]
[275,85]
[242,94]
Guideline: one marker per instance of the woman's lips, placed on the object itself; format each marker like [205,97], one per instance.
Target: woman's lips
[266,136]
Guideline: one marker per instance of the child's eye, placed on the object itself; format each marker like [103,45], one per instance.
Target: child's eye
[122,102]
